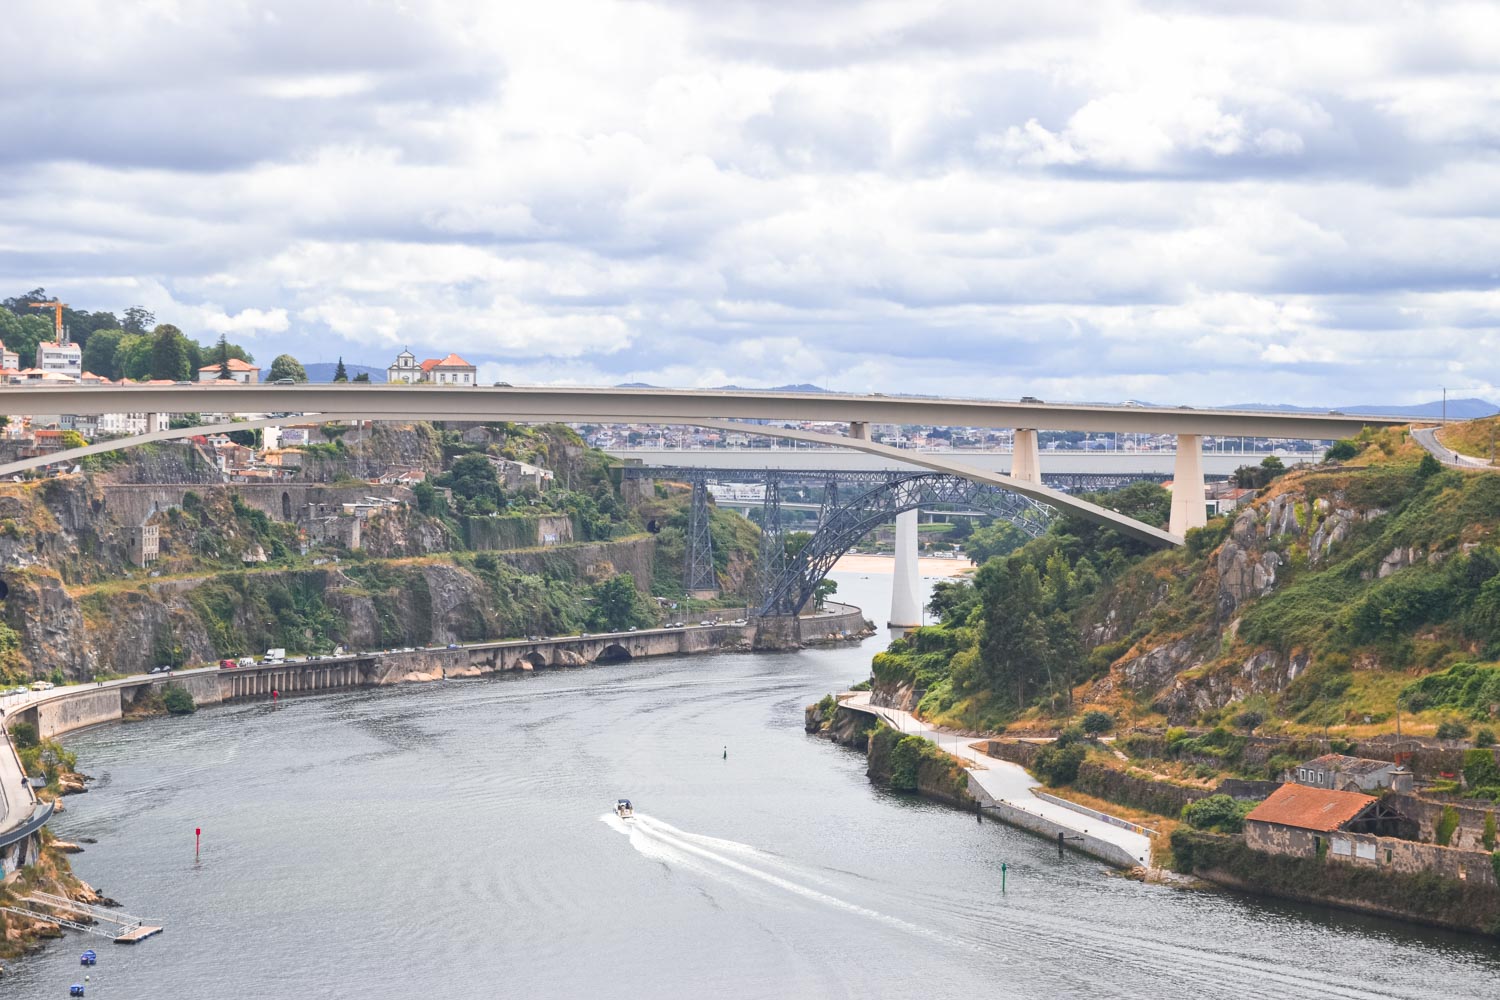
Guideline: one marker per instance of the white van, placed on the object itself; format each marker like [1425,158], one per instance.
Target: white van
[275,656]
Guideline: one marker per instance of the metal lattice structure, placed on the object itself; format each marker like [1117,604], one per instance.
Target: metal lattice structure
[792,586]
[786,586]
[700,554]
[1066,481]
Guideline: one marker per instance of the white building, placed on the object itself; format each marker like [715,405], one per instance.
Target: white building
[405,369]
[64,358]
[452,370]
[8,358]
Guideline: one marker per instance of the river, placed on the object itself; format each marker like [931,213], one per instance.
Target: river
[455,839]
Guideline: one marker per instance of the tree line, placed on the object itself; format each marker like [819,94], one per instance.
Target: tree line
[129,346]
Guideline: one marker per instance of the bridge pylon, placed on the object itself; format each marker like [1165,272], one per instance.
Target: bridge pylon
[701,581]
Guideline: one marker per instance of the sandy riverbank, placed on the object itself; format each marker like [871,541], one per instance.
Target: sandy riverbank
[855,563]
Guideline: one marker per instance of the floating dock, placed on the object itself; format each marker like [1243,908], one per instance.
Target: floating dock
[122,928]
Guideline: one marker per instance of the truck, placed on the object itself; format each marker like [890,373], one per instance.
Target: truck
[277,655]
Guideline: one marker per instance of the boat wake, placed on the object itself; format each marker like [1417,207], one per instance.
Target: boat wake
[734,862]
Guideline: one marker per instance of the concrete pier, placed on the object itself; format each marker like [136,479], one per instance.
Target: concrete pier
[1189,506]
[1026,459]
[906,601]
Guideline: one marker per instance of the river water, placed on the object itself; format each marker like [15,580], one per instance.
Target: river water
[456,839]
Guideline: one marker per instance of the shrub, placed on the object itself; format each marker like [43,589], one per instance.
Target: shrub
[1217,812]
[177,700]
[1446,824]
[1480,770]
[1058,764]
[1484,737]
[1341,451]
[24,735]
[1248,721]
[1452,729]
[1095,722]
[1488,839]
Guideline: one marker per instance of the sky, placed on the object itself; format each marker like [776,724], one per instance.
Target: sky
[1173,202]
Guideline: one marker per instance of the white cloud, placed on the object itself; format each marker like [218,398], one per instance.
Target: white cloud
[1127,200]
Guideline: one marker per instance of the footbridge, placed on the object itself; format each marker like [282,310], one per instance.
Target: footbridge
[732,410]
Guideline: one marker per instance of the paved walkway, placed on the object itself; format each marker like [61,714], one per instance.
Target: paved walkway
[1005,781]
[1427,438]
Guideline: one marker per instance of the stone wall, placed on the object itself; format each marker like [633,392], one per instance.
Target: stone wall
[1426,812]
[1366,850]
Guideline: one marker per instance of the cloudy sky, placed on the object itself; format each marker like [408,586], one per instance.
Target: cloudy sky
[1166,201]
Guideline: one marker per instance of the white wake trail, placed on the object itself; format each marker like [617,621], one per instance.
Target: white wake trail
[716,857]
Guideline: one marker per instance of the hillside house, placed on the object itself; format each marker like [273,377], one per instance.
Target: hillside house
[1345,774]
[242,372]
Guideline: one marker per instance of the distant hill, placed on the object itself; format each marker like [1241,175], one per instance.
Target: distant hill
[322,371]
[1458,409]
[801,387]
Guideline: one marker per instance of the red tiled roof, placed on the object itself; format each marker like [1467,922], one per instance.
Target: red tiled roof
[235,365]
[451,361]
[1318,809]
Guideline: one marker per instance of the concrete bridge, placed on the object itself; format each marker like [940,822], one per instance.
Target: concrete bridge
[728,410]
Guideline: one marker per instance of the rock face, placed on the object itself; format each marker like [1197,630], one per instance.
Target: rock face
[1200,667]
[1243,575]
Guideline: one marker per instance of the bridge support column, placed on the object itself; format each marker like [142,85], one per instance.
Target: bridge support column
[859,430]
[1189,509]
[906,602]
[1026,460]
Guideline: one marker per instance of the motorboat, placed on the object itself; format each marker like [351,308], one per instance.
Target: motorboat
[88,958]
[623,809]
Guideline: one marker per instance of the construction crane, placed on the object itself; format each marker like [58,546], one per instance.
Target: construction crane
[57,308]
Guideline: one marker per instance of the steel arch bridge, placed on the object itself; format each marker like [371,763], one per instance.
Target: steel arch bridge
[790,586]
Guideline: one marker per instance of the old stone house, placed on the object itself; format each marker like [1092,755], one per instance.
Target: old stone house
[1345,774]
[1354,828]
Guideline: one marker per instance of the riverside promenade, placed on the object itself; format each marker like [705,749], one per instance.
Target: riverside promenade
[1007,791]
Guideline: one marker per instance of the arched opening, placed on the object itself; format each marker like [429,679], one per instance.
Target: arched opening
[531,661]
[613,653]
[286,506]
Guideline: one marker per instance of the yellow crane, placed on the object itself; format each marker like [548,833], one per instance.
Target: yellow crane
[57,308]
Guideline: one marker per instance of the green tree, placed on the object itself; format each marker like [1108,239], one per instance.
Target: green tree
[170,357]
[1095,722]
[340,374]
[23,333]
[99,353]
[822,591]
[286,366]
[222,356]
[138,319]
[362,377]
[72,439]
[1428,467]
[475,485]
[998,539]
[618,605]
[133,356]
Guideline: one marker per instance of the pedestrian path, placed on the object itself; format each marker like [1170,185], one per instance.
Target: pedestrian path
[1006,782]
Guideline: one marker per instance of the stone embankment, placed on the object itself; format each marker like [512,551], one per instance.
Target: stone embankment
[1004,790]
[66,709]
